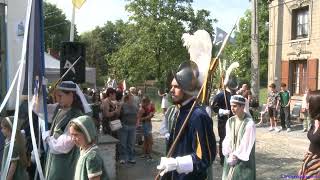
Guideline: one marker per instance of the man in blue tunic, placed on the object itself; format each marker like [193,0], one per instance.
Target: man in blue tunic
[221,106]
[196,149]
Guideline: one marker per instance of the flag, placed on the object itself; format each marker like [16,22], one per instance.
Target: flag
[220,35]
[33,57]
[34,76]
[34,84]
[78,3]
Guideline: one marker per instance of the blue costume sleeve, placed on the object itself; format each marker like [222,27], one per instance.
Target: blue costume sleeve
[220,101]
[217,104]
[203,140]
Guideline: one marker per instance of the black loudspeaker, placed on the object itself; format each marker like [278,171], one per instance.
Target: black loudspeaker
[70,52]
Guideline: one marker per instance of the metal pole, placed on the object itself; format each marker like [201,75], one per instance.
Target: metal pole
[3,49]
[255,76]
[72,24]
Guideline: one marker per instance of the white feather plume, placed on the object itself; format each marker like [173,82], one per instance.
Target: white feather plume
[199,46]
[229,70]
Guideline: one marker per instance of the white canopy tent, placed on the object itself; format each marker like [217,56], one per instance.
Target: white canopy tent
[53,70]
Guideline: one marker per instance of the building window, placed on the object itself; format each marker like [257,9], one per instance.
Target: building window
[300,23]
[299,77]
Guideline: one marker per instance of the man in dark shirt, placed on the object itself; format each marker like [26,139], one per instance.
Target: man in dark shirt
[285,107]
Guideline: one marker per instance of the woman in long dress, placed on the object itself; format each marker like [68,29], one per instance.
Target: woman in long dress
[62,153]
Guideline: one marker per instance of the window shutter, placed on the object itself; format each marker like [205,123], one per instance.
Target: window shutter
[312,73]
[285,72]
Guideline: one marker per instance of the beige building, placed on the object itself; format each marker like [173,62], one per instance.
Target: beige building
[294,44]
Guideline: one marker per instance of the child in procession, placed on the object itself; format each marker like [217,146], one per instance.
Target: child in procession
[18,163]
[90,165]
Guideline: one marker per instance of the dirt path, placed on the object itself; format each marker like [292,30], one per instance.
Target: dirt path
[277,154]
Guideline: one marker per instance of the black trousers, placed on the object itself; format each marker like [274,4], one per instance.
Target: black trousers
[285,117]
[222,134]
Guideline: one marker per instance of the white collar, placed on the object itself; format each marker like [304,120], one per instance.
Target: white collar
[92,147]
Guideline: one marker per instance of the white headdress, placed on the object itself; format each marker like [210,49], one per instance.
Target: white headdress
[199,46]
[71,86]
[233,66]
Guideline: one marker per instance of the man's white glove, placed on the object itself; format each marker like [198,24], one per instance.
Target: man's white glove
[185,164]
[45,135]
[232,160]
[167,165]
[182,164]
[223,112]
[167,136]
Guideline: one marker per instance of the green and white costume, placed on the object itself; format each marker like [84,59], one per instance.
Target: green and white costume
[63,154]
[168,121]
[90,164]
[20,172]
[240,142]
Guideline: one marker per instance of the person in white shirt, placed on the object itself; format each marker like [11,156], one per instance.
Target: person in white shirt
[238,147]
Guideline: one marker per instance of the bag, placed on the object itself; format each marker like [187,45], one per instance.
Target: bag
[115,125]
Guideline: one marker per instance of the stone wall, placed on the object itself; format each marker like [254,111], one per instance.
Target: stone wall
[107,146]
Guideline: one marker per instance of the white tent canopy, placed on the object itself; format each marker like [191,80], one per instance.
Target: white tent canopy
[53,71]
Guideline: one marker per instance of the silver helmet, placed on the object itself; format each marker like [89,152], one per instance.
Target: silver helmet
[187,78]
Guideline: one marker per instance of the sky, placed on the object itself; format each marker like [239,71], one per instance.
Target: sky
[97,12]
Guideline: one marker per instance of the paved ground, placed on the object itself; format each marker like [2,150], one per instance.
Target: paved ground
[142,170]
[277,155]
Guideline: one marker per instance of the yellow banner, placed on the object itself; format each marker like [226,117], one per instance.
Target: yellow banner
[78,3]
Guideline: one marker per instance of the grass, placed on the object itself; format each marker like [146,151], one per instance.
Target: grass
[263,93]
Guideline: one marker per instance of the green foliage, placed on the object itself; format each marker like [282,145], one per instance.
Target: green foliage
[95,50]
[263,96]
[149,45]
[56,27]
[100,44]
[152,46]
[263,39]
[241,50]
[101,81]
[199,20]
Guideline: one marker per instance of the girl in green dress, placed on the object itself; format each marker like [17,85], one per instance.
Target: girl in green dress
[18,164]
[90,165]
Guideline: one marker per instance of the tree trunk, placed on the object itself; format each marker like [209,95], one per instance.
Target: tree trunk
[255,79]
[159,64]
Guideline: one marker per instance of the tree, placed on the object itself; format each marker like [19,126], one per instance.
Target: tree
[101,43]
[241,52]
[56,27]
[199,20]
[95,50]
[152,43]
